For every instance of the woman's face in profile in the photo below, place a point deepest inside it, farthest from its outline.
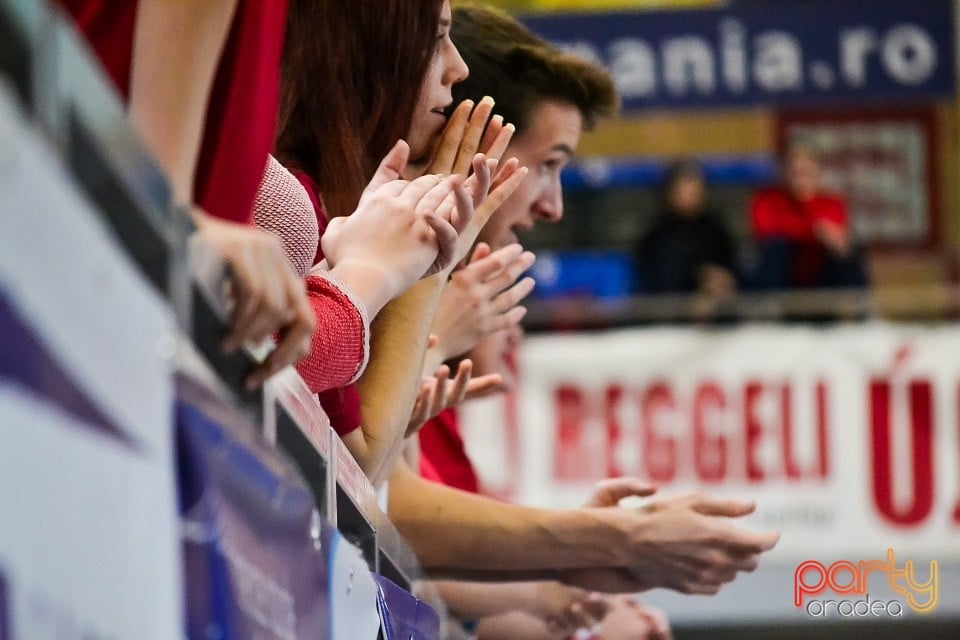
(436, 92)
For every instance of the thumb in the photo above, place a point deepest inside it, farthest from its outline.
(480, 251)
(391, 167)
(607, 493)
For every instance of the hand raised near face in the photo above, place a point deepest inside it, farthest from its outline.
(469, 131)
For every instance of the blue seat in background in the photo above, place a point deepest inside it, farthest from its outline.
(605, 275)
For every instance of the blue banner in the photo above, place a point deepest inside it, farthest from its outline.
(405, 617)
(782, 53)
(4, 610)
(254, 553)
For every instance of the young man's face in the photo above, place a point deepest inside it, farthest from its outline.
(545, 147)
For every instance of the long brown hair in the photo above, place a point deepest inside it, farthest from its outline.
(351, 76)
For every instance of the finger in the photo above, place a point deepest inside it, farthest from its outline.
(448, 209)
(446, 241)
(458, 387)
(276, 310)
(432, 341)
(422, 404)
(499, 145)
(481, 179)
(510, 298)
(611, 491)
(480, 251)
(493, 201)
(414, 191)
(295, 339)
(433, 198)
(438, 398)
(494, 127)
(504, 321)
(506, 169)
(391, 167)
(725, 508)
(464, 210)
(493, 264)
(249, 290)
(748, 542)
(519, 264)
(472, 135)
(508, 254)
(446, 151)
(484, 386)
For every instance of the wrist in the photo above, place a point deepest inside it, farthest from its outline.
(589, 537)
(373, 285)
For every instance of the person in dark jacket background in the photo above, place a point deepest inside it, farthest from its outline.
(687, 248)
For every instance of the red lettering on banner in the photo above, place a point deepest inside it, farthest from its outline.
(659, 451)
(709, 446)
(920, 406)
(614, 395)
(569, 455)
(791, 469)
(753, 429)
(823, 442)
(686, 435)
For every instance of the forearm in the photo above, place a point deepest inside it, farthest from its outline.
(473, 600)
(389, 385)
(455, 533)
(516, 624)
(177, 46)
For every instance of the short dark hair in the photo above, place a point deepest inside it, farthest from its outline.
(520, 70)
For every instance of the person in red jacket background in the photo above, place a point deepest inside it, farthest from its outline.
(803, 233)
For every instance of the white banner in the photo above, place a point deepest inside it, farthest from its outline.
(89, 540)
(848, 438)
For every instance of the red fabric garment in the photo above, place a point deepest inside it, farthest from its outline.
(341, 404)
(337, 350)
(428, 471)
(108, 27)
(777, 214)
(443, 453)
(241, 115)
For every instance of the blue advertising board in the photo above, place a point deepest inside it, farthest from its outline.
(783, 53)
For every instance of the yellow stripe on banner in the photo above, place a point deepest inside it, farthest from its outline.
(688, 133)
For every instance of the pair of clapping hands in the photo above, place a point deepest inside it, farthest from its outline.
(404, 227)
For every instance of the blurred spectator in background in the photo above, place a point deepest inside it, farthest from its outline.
(803, 234)
(686, 249)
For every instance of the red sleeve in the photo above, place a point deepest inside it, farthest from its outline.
(108, 27)
(765, 215)
(241, 112)
(340, 345)
(342, 406)
(341, 342)
(832, 209)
